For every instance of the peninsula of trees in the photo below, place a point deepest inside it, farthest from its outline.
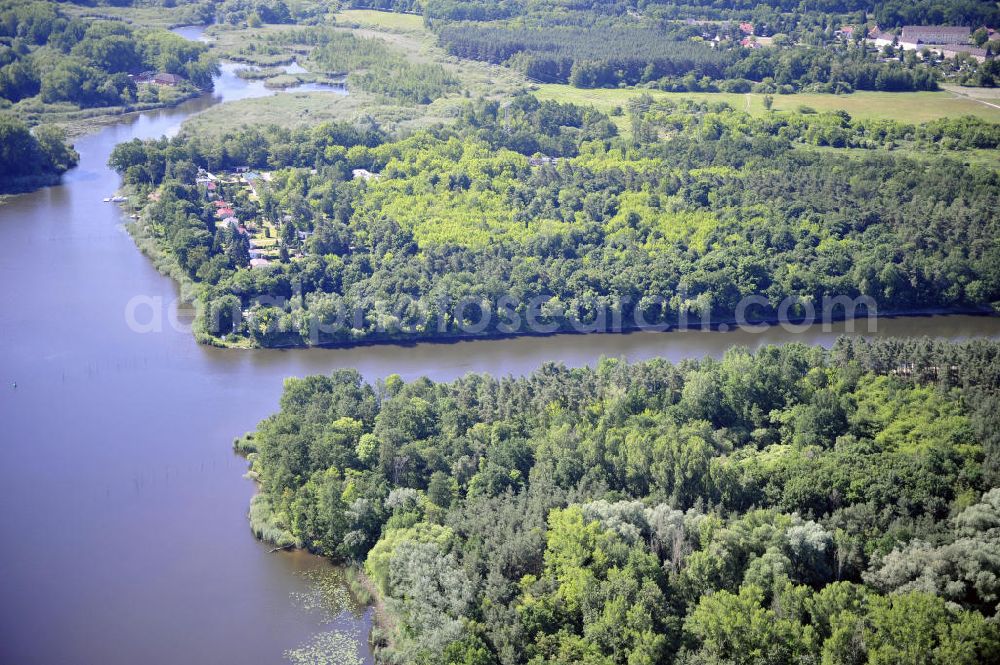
(793, 505)
(32, 158)
(357, 236)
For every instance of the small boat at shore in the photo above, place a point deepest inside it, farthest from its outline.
(107, 199)
(118, 199)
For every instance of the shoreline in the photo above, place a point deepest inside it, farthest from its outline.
(190, 290)
(363, 591)
(77, 128)
(29, 183)
(165, 263)
(84, 122)
(723, 326)
(367, 595)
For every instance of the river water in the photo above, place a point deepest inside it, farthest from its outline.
(123, 535)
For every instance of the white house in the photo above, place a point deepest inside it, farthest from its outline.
(364, 174)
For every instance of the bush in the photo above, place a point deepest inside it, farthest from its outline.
(266, 526)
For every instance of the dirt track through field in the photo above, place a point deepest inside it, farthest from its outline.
(975, 99)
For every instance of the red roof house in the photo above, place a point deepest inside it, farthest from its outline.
(164, 78)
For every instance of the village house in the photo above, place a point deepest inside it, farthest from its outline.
(259, 263)
(880, 38)
(978, 54)
(253, 181)
(543, 160)
(163, 78)
(364, 174)
(204, 178)
(746, 28)
(208, 186)
(947, 41)
(935, 34)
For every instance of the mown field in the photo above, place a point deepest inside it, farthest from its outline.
(296, 109)
(912, 107)
(382, 20)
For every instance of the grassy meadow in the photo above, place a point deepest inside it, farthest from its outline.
(389, 21)
(911, 107)
(296, 109)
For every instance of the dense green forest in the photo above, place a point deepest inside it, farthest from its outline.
(461, 233)
(792, 505)
(48, 57)
(610, 56)
(781, 13)
(29, 158)
(893, 13)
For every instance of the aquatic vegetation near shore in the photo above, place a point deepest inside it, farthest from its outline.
(327, 595)
(329, 648)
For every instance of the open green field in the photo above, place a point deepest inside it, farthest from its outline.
(912, 107)
(382, 20)
(297, 109)
(286, 109)
(985, 94)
